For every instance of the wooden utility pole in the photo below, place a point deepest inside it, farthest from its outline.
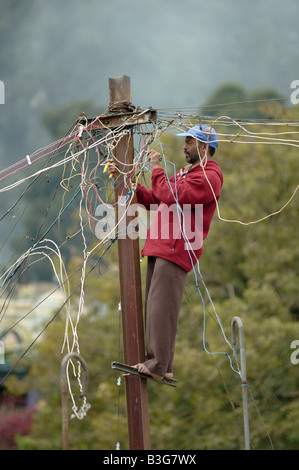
(121, 111)
(130, 282)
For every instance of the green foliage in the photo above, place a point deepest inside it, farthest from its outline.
(232, 99)
(55, 119)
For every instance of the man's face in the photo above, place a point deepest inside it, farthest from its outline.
(191, 149)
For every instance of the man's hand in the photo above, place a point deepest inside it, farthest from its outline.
(154, 158)
(111, 168)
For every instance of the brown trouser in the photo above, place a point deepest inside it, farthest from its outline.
(163, 299)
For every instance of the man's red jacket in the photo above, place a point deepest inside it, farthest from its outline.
(184, 206)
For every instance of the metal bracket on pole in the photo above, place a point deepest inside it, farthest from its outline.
(238, 321)
(124, 119)
(64, 393)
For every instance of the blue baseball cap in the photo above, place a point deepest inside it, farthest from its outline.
(204, 133)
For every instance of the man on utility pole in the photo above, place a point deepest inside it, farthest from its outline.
(194, 192)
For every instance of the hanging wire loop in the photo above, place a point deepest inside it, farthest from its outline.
(64, 393)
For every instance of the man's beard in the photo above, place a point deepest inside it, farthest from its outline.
(191, 158)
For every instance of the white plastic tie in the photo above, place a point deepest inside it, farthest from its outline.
(80, 131)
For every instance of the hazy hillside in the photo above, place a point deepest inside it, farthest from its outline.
(175, 52)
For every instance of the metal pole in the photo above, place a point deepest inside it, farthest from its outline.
(238, 321)
(130, 281)
(64, 393)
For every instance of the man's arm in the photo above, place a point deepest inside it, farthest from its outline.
(146, 197)
(195, 188)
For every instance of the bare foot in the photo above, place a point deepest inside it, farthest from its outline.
(144, 370)
(168, 375)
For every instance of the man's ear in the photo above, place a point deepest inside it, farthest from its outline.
(203, 149)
